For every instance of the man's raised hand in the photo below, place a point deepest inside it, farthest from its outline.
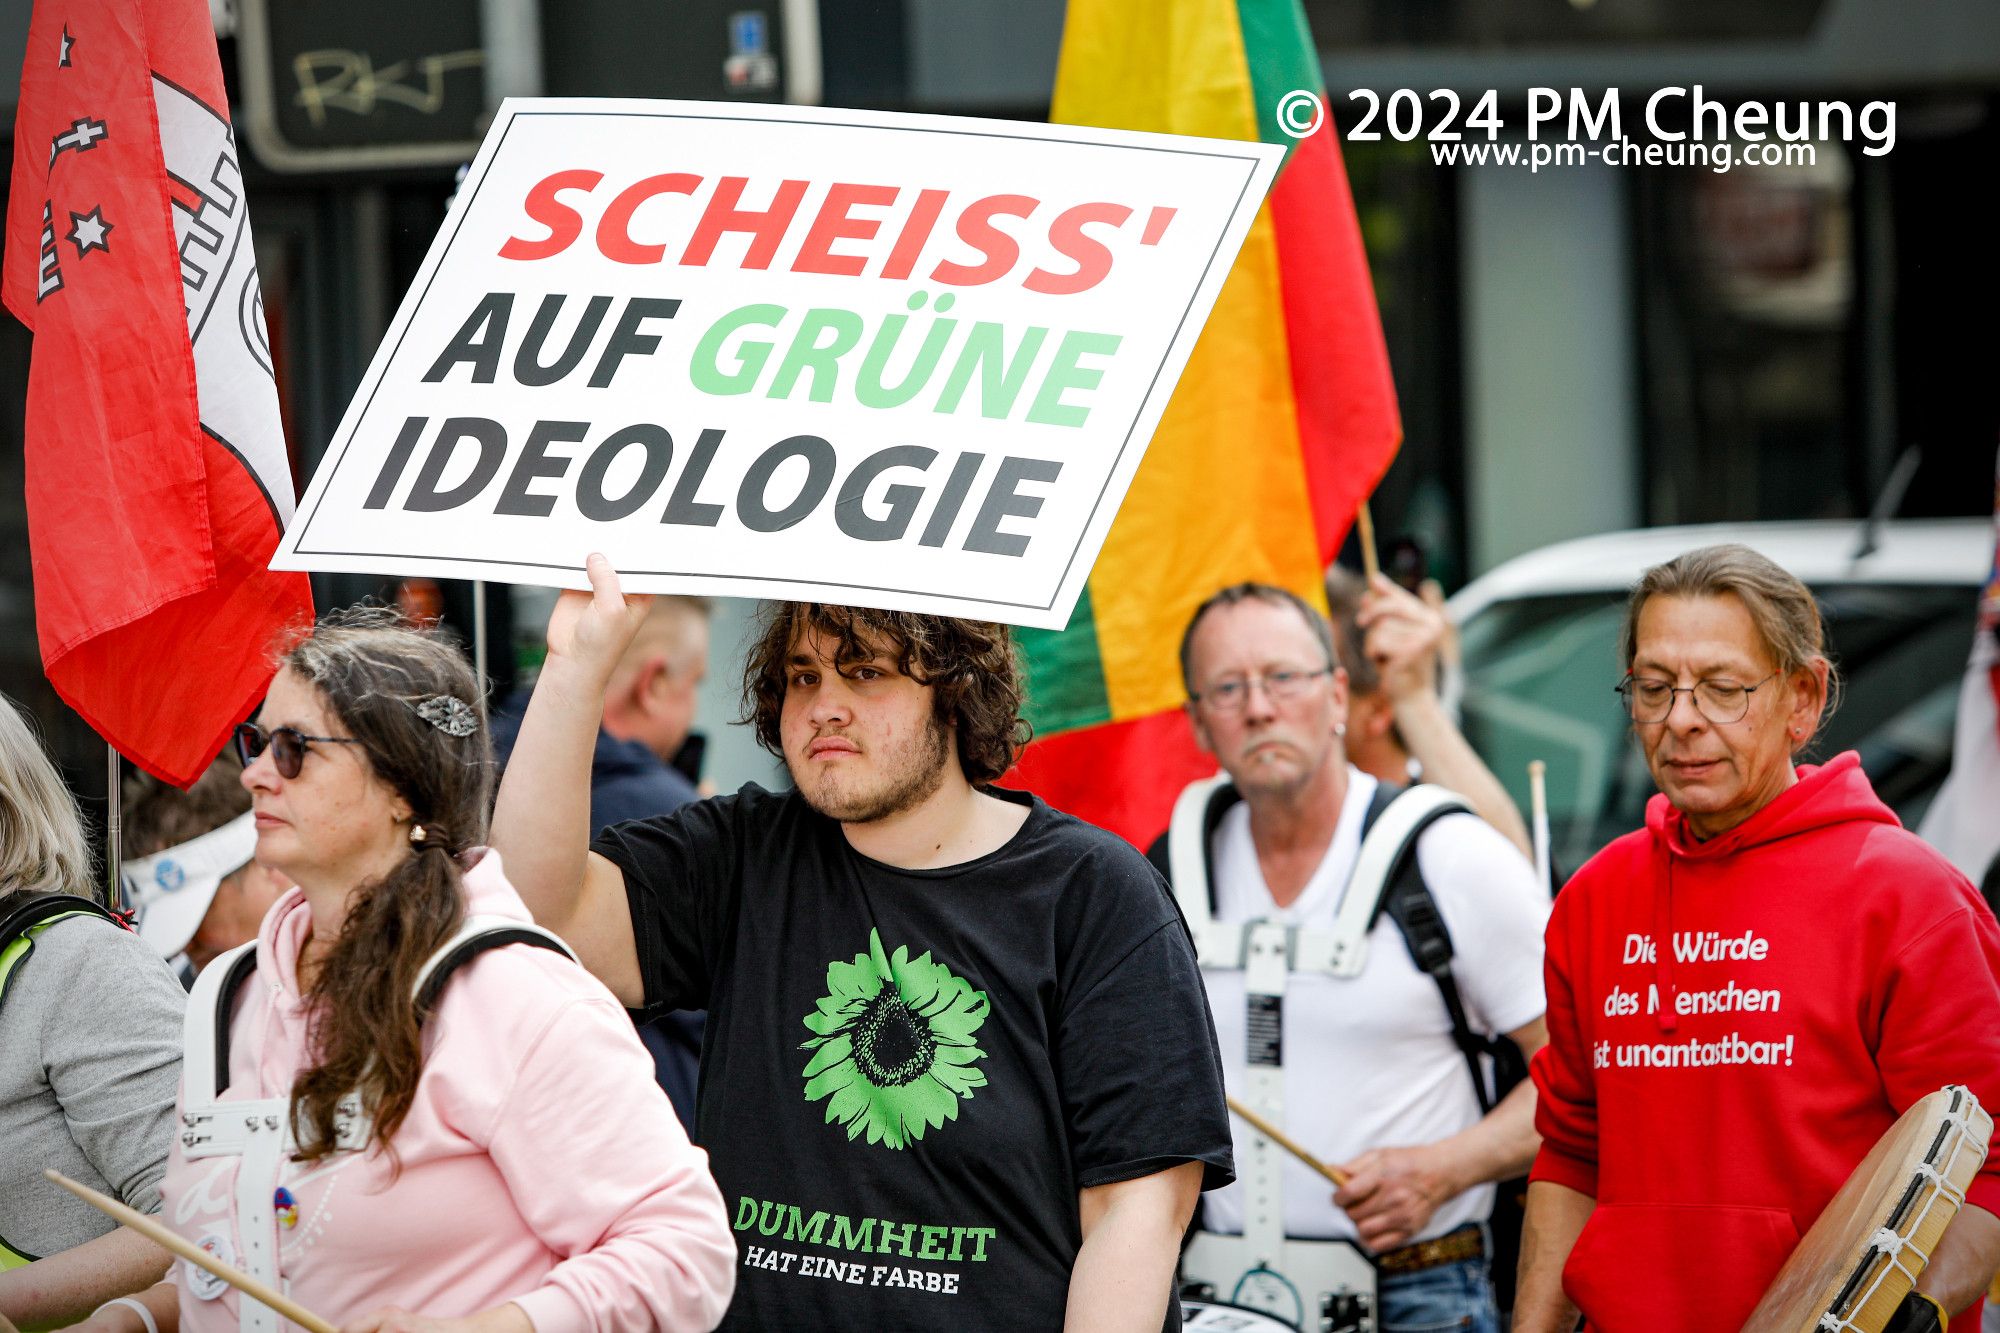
(590, 630)
(1402, 635)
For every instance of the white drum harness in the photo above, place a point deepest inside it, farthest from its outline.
(1323, 1285)
(260, 1131)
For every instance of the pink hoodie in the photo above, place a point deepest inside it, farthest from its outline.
(541, 1164)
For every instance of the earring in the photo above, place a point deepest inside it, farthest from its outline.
(1340, 730)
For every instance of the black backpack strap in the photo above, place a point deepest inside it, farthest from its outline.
(41, 907)
(462, 951)
(1407, 901)
(38, 910)
(1161, 853)
(475, 938)
(239, 970)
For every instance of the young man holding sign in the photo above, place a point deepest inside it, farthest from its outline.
(960, 1071)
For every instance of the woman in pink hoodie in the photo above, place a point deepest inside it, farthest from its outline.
(492, 1156)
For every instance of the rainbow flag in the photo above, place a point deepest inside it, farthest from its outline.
(1283, 422)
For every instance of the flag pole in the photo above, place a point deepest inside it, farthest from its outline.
(1364, 524)
(479, 632)
(1538, 805)
(113, 814)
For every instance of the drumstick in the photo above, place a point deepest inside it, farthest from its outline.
(6, 1327)
(195, 1255)
(1538, 803)
(1278, 1136)
(1364, 528)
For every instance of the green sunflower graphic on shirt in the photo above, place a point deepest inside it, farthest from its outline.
(893, 1050)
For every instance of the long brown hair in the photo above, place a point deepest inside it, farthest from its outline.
(970, 666)
(374, 673)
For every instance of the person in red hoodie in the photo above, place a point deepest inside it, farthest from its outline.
(1745, 994)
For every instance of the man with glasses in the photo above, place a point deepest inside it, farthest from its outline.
(1745, 994)
(1359, 1064)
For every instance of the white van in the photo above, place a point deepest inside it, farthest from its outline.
(1540, 636)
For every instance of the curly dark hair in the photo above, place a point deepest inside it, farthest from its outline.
(969, 665)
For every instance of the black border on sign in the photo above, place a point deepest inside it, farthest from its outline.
(299, 547)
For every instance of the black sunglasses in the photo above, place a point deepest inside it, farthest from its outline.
(288, 746)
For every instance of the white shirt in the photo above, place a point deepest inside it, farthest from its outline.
(1369, 1060)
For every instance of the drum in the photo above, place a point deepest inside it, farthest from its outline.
(1864, 1253)
(1219, 1317)
(1322, 1286)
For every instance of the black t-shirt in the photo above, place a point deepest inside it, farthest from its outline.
(909, 1074)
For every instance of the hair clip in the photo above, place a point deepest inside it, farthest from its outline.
(449, 714)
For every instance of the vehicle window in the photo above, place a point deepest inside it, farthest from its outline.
(1540, 672)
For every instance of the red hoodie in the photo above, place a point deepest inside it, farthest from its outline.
(1818, 970)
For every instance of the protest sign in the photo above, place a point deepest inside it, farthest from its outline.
(898, 361)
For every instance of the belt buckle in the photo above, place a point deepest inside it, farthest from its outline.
(1421, 1256)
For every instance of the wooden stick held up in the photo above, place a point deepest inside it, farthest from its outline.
(195, 1255)
(1364, 533)
(1279, 1137)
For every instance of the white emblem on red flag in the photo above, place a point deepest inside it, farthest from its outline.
(80, 137)
(89, 231)
(50, 279)
(225, 306)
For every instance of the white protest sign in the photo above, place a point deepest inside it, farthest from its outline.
(897, 361)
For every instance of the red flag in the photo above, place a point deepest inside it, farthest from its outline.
(158, 480)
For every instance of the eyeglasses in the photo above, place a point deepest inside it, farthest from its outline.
(1720, 701)
(288, 746)
(1229, 696)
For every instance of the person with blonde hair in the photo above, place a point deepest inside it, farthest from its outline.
(90, 1024)
(403, 1105)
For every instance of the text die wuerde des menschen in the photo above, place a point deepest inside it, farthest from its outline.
(1729, 998)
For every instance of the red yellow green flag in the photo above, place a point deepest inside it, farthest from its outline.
(1284, 420)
